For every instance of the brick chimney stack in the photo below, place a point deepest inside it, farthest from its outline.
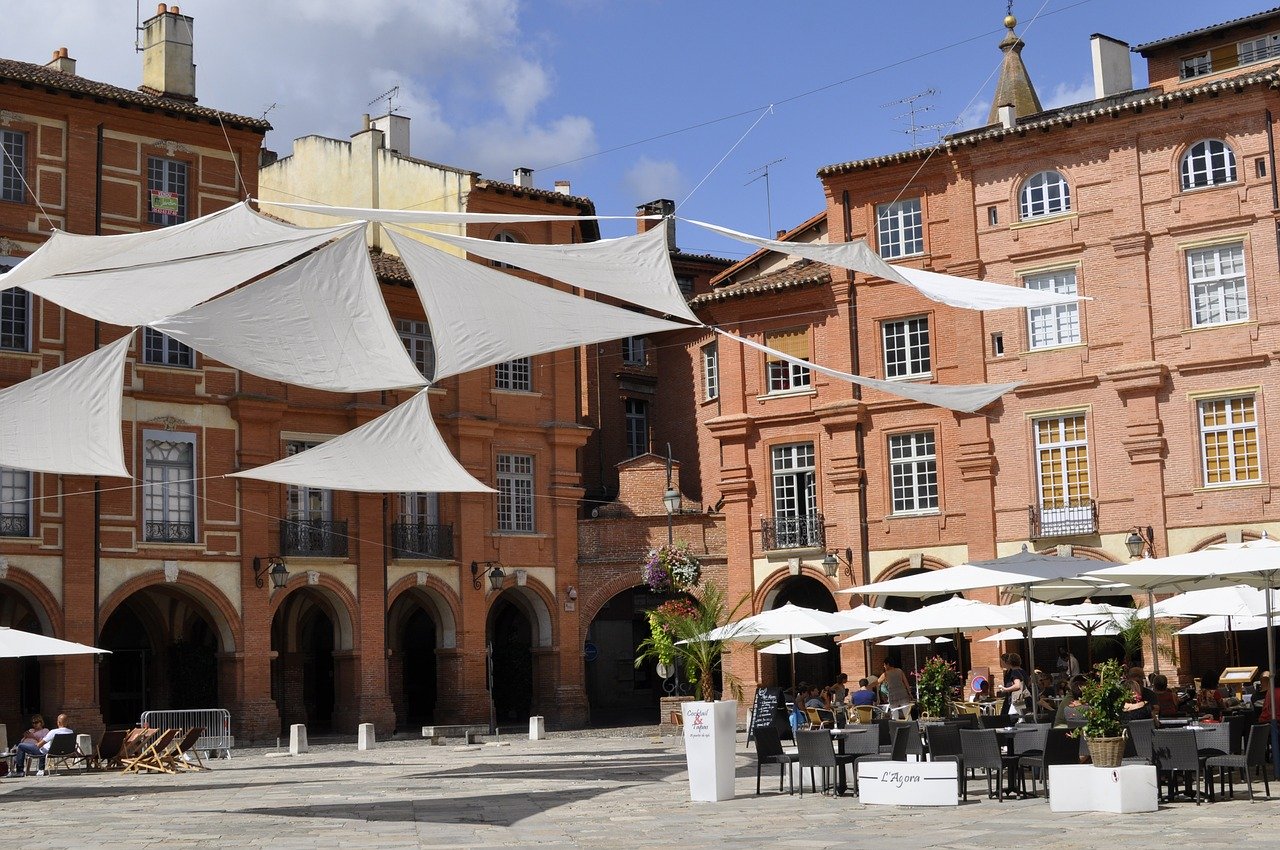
(62, 63)
(663, 207)
(168, 66)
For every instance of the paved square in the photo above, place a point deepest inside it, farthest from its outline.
(622, 789)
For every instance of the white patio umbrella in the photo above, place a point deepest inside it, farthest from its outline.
(918, 640)
(1238, 600)
(793, 645)
(1217, 625)
(15, 643)
(1049, 630)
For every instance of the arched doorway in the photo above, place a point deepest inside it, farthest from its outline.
(308, 630)
(819, 670)
(519, 625)
(420, 623)
(618, 691)
(22, 697)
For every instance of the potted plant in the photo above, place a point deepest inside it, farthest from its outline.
(671, 568)
(935, 683)
(678, 635)
(1103, 704)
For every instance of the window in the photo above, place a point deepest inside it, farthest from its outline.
(1229, 440)
(1208, 163)
(13, 165)
(899, 229)
(906, 348)
(515, 493)
(1046, 193)
(15, 502)
(307, 504)
(513, 375)
(1260, 167)
(997, 344)
(1219, 291)
(169, 487)
(913, 472)
(1196, 66)
(993, 216)
(416, 337)
(710, 372)
(786, 375)
(1258, 49)
(166, 190)
(795, 497)
(15, 319)
(1048, 327)
(420, 508)
(160, 349)
(685, 284)
(504, 236)
(637, 411)
(1062, 466)
(633, 351)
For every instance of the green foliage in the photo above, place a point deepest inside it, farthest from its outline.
(1135, 635)
(936, 682)
(1103, 702)
(676, 636)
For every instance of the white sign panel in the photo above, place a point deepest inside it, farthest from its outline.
(709, 734)
(908, 783)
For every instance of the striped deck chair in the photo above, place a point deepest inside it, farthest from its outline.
(153, 757)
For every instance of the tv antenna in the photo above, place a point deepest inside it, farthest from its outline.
(269, 110)
(914, 108)
(389, 96)
(763, 172)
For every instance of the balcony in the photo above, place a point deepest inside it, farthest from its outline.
(801, 532)
(319, 538)
(421, 540)
(1063, 518)
(15, 525)
(170, 532)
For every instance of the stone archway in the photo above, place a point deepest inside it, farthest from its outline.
(421, 627)
(909, 658)
(313, 669)
(23, 694)
(807, 592)
(617, 690)
(518, 631)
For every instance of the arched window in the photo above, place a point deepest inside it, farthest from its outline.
(505, 236)
(1208, 163)
(1046, 193)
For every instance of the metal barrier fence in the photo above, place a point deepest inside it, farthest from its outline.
(216, 722)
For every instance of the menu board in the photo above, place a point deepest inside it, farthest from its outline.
(770, 710)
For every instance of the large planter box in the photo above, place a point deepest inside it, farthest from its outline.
(710, 733)
(1086, 788)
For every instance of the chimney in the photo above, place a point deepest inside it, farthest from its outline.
(522, 177)
(662, 207)
(167, 65)
(395, 132)
(1008, 114)
(563, 187)
(62, 63)
(1112, 71)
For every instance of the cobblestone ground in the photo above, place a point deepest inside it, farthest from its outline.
(600, 790)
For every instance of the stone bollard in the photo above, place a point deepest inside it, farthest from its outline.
(537, 728)
(297, 739)
(4, 737)
(364, 737)
(84, 743)
(471, 736)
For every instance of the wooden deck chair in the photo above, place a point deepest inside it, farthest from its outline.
(135, 742)
(151, 757)
(108, 749)
(185, 754)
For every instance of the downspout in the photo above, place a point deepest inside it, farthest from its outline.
(859, 430)
(1275, 189)
(97, 482)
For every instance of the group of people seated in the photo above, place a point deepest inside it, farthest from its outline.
(35, 743)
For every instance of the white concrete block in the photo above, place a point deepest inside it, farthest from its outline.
(1085, 788)
(364, 737)
(537, 728)
(297, 739)
(84, 743)
(908, 783)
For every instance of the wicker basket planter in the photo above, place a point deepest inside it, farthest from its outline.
(1106, 752)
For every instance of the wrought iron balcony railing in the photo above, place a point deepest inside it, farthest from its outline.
(170, 532)
(321, 538)
(421, 540)
(801, 532)
(15, 525)
(1063, 518)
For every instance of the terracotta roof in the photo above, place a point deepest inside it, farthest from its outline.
(586, 203)
(811, 221)
(1068, 115)
(685, 257)
(389, 267)
(802, 274)
(1190, 34)
(39, 75)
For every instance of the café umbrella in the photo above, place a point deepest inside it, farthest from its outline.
(793, 645)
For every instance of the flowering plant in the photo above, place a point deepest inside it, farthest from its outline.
(935, 682)
(678, 633)
(661, 630)
(669, 568)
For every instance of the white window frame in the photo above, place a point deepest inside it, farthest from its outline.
(16, 300)
(416, 337)
(13, 166)
(1207, 163)
(1258, 49)
(165, 174)
(1058, 451)
(710, 372)
(1057, 325)
(167, 499)
(511, 239)
(172, 353)
(635, 351)
(1236, 424)
(636, 415)
(911, 336)
(900, 229)
(514, 375)
(515, 480)
(1044, 194)
(913, 473)
(1217, 285)
(793, 467)
(15, 498)
(419, 508)
(306, 504)
(1200, 65)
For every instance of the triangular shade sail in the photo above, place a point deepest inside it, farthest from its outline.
(440, 216)
(67, 420)
(635, 269)
(399, 452)
(965, 398)
(137, 278)
(19, 644)
(480, 317)
(320, 322)
(944, 288)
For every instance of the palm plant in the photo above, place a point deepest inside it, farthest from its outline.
(1135, 633)
(681, 640)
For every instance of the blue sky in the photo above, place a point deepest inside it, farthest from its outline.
(569, 87)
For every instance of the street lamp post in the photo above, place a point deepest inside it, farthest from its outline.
(670, 499)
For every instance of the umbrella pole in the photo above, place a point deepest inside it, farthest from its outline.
(1151, 620)
(1031, 653)
(791, 643)
(1271, 666)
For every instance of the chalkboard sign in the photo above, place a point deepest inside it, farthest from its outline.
(770, 710)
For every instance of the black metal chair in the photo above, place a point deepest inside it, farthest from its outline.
(1059, 748)
(864, 746)
(1174, 752)
(1254, 755)
(994, 721)
(1239, 725)
(1029, 738)
(769, 751)
(1140, 737)
(817, 751)
(944, 745)
(889, 733)
(62, 749)
(981, 751)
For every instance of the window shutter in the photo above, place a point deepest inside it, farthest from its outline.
(793, 343)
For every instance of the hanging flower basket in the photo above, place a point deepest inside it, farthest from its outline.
(669, 569)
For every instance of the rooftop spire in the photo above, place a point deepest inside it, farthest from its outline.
(1014, 86)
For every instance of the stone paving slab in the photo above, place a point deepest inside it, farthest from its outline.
(608, 792)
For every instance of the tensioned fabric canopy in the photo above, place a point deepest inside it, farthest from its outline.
(442, 217)
(15, 643)
(67, 420)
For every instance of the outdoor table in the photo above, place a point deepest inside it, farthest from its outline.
(1006, 737)
(839, 736)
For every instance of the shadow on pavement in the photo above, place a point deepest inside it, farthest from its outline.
(653, 767)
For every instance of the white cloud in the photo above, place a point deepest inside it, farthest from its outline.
(649, 179)
(494, 149)
(974, 115)
(1065, 94)
(521, 88)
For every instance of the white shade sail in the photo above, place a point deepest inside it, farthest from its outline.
(440, 216)
(635, 269)
(480, 317)
(15, 643)
(67, 420)
(320, 322)
(965, 398)
(858, 256)
(399, 452)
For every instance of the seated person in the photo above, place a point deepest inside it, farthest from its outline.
(1048, 693)
(981, 691)
(839, 692)
(864, 695)
(27, 748)
(1166, 700)
(1135, 707)
(1209, 701)
(811, 697)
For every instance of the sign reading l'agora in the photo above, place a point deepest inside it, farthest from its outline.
(164, 203)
